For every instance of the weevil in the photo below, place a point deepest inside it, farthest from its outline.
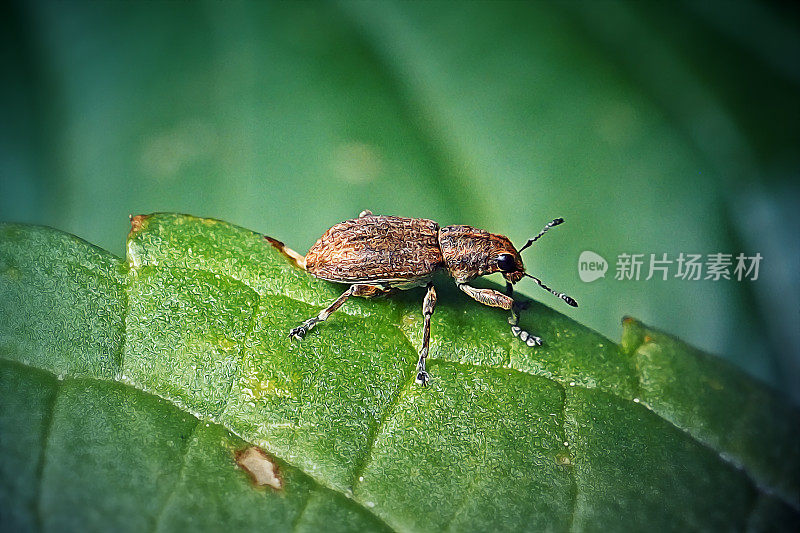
(377, 255)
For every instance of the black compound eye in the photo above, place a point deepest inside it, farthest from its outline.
(506, 263)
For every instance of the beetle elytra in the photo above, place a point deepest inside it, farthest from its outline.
(376, 255)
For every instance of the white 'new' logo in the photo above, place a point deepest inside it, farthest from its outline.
(591, 266)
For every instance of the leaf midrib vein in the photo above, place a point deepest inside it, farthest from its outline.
(45, 446)
(178, 479)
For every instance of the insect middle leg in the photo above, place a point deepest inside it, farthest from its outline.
(428, 305)
(494, 298)
(355, 290)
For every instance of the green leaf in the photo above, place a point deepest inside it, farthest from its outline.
(128, 387)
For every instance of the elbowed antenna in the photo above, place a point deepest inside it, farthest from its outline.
(571, 301)
(555, 222)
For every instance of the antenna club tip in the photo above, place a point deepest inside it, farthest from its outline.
(558, 221)
(571, 301)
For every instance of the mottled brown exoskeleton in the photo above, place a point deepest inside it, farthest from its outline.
(377, 254)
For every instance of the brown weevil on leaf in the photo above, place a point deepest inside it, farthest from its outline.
(376, 255)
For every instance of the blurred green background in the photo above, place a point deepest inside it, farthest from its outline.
(650, 127)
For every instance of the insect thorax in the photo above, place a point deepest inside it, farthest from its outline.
(470, 252)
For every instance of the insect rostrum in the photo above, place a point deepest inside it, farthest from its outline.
(379, 254)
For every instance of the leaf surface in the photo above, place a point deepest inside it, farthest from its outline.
(129, 386)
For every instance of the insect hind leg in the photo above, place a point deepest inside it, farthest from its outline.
(300, 331)
(366, 291)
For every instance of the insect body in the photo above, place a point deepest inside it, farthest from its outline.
(378, 254)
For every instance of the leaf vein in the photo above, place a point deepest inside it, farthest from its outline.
(572, 474)
(243, 355)
(391, 406)
(48, 428)
(302, 510)
(178, 479)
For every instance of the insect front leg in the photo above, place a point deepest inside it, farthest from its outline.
(428, 305)
(494, 298)
(519, 305)
(516, 307)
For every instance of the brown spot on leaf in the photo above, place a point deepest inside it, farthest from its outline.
(260, 466)
(648, 338)
(274, 242)
(137, 221)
